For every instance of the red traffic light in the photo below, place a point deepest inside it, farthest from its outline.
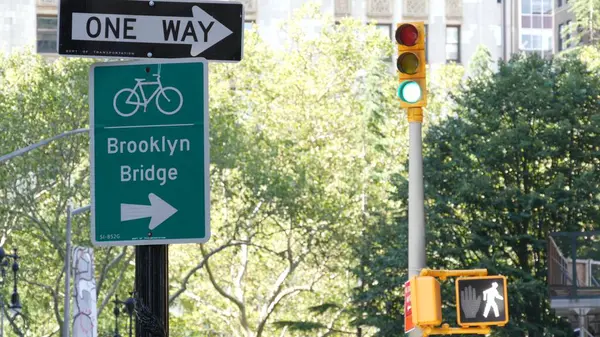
(407, 35)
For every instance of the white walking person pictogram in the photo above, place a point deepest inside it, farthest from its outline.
(490, 296)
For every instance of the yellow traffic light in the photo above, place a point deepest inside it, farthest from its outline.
(411, 64)
(426, 301)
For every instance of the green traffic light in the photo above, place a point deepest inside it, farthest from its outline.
(409, 91)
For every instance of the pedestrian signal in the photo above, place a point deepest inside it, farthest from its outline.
(426, 301)
(411, 63)
(481, 301)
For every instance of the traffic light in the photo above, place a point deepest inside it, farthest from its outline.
(426, 301)
(411, 63)
(481, 301)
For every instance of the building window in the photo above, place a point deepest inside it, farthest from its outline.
(525, 6)
(559, 3)
(531, 42)
(453, 44)
(547, 45)
(564, 35)
(561, 30)
(248, 24)
(47, 27)
(386, 29)
(536, 26)
(537, 6)
(567, 34)
(547, 7)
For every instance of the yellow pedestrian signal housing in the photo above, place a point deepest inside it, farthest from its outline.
(426, 301)
(411, 64)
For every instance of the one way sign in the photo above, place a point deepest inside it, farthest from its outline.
(151, 29)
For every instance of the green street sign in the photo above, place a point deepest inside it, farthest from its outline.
(149, 152)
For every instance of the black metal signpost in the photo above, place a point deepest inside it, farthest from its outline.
(143, 29)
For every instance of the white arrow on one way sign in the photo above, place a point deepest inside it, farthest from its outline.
(201, 31)
(159, 211)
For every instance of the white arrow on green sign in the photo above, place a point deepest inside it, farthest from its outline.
(149, 152)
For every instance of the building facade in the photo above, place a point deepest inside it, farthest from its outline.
(17, 24)
(536, 26)
(562, 24)
(455, 28)
(47, 27)
(565, 27)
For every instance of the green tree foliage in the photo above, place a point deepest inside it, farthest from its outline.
(586, 54)
(301, 141)
(517, 162)
(39, 100)
(481, 64)
(443, 84)
(587, 13)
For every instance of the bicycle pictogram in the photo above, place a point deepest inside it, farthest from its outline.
(165, 95)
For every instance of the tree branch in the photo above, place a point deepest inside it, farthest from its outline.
(285, 293)
(278, 294)
(42, 227)
(241, 272)
(330, 329)
(273, 304)
(54, 295)
(222, 313)
(52, 333)
(107, 267)
(199, 266)
(114, 285)
(269, 250)
(241, 306)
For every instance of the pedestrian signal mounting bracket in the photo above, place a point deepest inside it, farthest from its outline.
(444, 274)
(445, 329)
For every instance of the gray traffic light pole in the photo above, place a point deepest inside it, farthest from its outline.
(416, 208)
